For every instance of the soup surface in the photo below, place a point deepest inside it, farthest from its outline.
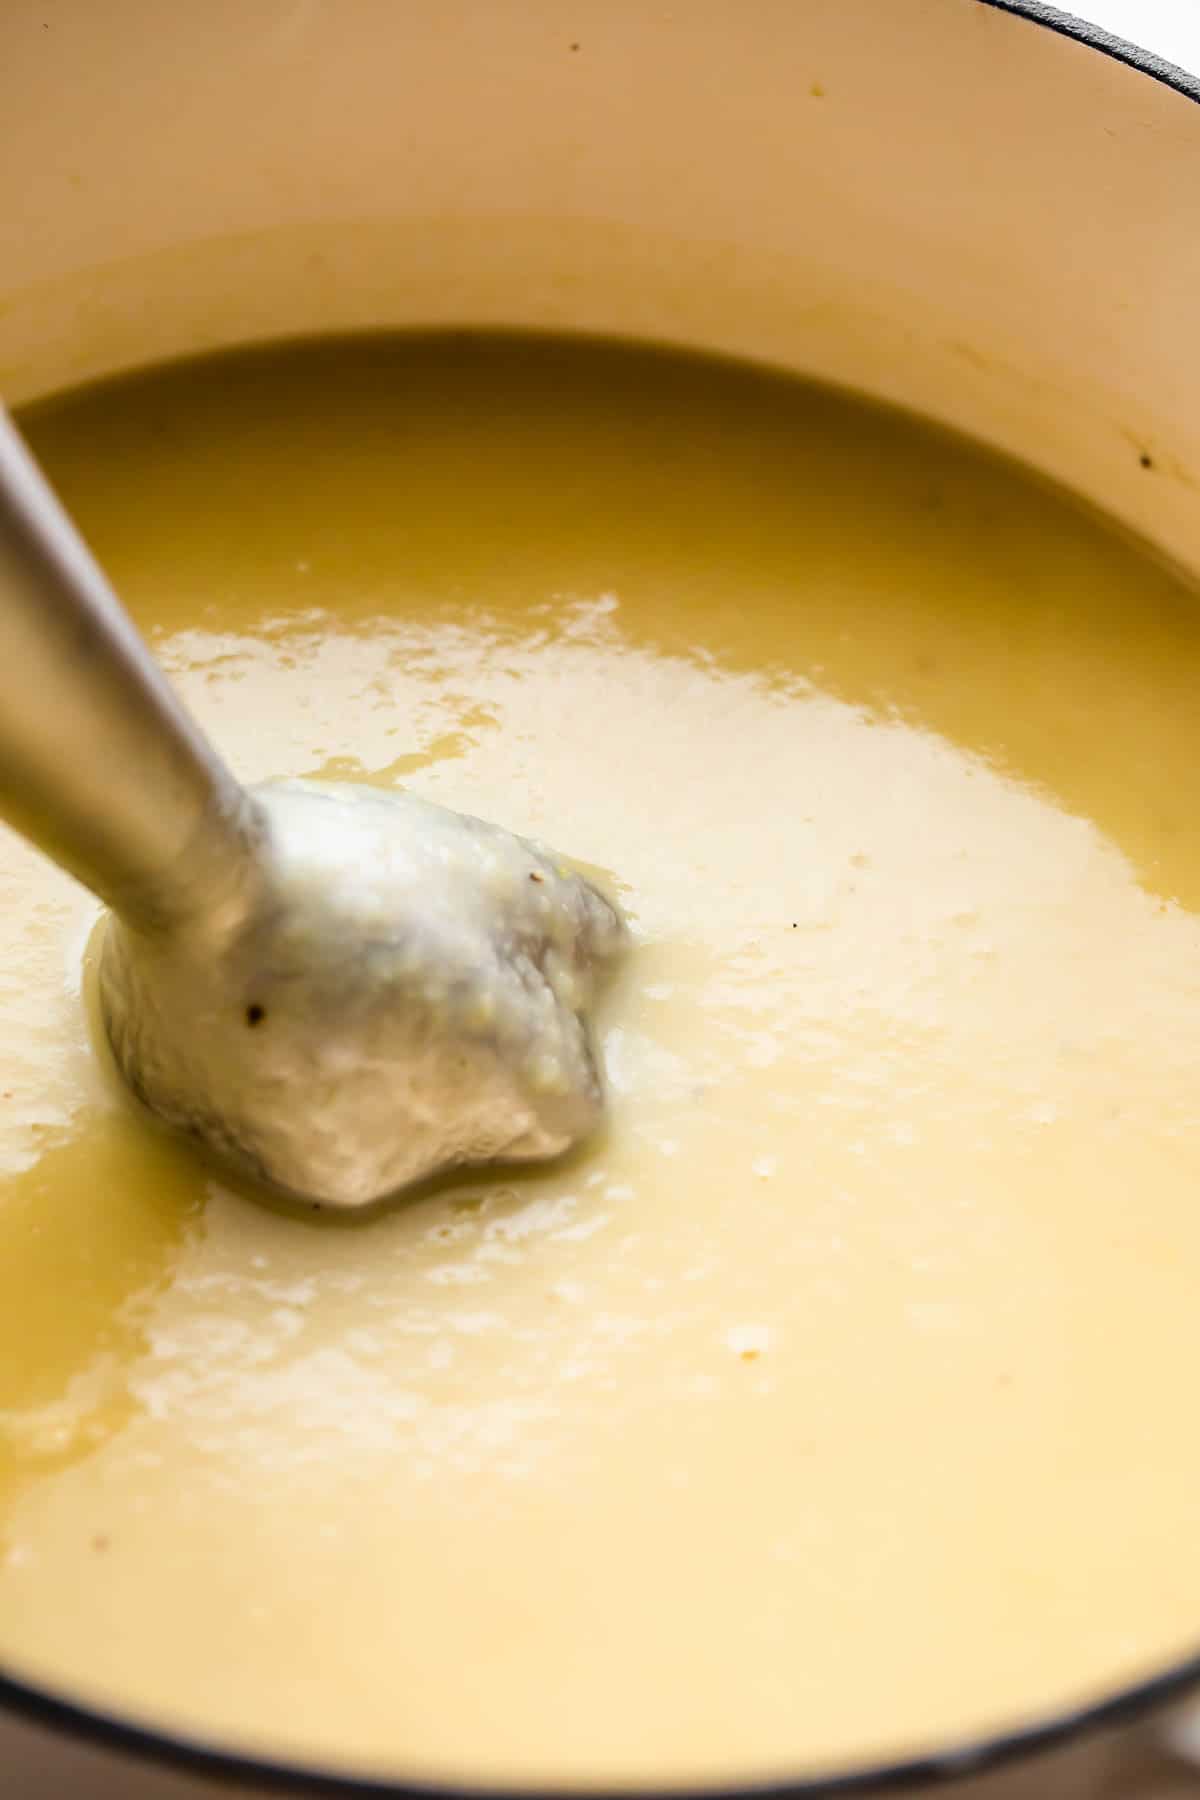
(840, 1399)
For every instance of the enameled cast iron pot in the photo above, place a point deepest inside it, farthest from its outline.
(979, 209)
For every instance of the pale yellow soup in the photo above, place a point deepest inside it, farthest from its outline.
(840, 1400)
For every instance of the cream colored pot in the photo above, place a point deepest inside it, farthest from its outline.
(966, 207)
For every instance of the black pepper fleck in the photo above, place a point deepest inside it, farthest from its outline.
(1146, 460)
(255, 1014)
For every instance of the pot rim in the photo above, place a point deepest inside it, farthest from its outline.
(41, 1706)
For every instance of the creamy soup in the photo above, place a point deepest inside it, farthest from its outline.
(839, 1400)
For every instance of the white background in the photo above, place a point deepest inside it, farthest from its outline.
(1169, 27)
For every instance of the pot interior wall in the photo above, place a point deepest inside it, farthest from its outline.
(935, 201)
